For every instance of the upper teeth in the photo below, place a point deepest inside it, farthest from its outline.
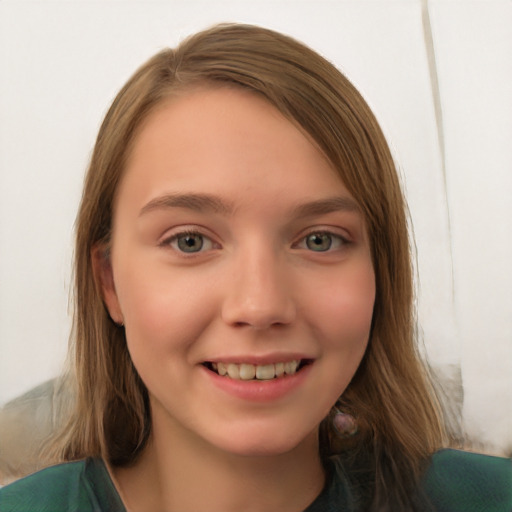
(247, 371)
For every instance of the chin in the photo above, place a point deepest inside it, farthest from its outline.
(266, 442)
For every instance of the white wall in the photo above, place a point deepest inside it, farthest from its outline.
(437, 74)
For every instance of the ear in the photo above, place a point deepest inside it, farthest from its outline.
(104, 277)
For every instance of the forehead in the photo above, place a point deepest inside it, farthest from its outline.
(225, 138)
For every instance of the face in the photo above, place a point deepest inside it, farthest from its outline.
(241, 269)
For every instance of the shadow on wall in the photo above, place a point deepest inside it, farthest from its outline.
(27, 422)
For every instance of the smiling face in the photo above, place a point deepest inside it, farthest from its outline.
(241, 269)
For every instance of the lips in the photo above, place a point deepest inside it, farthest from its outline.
(249, 371)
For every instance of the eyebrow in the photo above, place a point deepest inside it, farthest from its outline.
(196, 202)
(324, 206)
(209, 203)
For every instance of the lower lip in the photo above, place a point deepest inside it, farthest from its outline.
(259, 390)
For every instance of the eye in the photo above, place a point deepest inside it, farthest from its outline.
(189, 242)
(319, 241)
(322, 241)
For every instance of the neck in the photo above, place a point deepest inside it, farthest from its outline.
(176, 474)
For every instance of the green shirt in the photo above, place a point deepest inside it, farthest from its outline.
(455, 481)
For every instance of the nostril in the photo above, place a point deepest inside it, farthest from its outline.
(258, 307)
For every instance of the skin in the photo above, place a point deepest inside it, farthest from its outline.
(257, 291)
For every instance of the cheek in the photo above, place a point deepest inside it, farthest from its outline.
(346, 307)
(162, 310)
(348, 314)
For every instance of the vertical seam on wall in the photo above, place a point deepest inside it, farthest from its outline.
(452, 406)
(438, 113)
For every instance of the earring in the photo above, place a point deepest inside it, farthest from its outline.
(344, 424)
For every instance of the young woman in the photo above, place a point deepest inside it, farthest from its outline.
(243, 334)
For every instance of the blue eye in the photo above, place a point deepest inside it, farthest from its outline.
(322, 241)
(189, 242)
(319, 242)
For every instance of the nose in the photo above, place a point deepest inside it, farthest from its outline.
(260, 292)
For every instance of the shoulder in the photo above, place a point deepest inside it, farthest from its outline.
(83, 485)
(52, 488)
(458, 480)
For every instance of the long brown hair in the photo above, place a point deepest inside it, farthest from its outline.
(390, 395)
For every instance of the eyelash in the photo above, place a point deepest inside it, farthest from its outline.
(173, 241)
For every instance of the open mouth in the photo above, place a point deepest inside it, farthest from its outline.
(247, 371)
